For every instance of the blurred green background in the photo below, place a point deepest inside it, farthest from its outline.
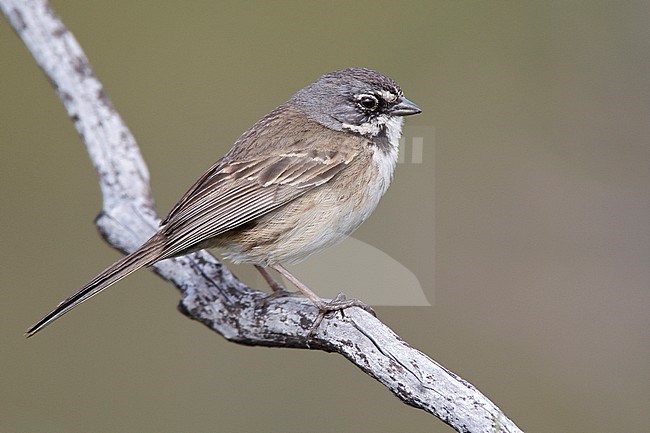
(538, 272)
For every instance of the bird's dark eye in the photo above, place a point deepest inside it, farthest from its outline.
(368, 102)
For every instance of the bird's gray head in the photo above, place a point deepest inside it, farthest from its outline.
(357, 100)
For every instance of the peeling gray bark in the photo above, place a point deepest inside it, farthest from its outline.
(210, 292)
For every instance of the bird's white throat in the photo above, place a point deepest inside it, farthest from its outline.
(386, 159)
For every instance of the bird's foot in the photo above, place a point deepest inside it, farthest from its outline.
(278, 289)
(339, 303)
(278, 292)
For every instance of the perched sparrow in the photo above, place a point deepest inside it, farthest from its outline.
(299, 180)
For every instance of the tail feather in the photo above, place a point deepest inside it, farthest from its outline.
(146, 255)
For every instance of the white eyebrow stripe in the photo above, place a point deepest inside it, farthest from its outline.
(388, 96)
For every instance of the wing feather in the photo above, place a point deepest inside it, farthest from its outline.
(233, 193)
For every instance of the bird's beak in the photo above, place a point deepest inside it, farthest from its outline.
(405, 108)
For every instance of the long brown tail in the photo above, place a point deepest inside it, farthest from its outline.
(147, 254)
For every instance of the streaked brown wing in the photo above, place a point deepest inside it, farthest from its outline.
(232, 193)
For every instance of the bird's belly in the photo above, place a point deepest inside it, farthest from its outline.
(319, 219)
(319, 229)
(288, 237)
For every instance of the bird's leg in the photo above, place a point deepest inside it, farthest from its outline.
(336, 304)
(278, 289)
(272, 282)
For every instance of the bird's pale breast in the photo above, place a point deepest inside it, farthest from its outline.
(318, 219)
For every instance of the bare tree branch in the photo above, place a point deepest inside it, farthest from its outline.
(210, 293)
